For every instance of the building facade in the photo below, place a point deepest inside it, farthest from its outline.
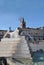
(36, 33)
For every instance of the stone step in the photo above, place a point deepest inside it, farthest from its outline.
(14, 47)
(8, 48)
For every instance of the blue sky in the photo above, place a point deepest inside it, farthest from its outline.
(12, 10)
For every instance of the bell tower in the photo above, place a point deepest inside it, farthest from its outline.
(23, 23)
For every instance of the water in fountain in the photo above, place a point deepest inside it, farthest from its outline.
(25, 33)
